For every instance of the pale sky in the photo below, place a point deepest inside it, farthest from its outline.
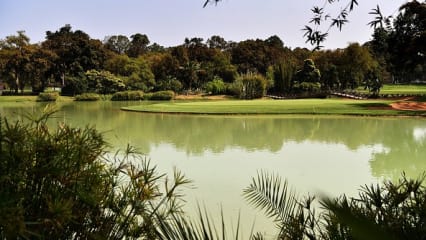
(168, 22)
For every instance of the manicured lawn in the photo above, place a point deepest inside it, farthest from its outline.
(301, 106)
(400, 89)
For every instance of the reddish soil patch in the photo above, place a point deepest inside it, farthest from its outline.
(409, 106)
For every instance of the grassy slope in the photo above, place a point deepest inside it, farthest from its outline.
(301, 106)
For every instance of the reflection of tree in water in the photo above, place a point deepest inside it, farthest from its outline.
(406, 153)
(197, 134)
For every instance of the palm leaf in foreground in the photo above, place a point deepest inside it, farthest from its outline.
(179, 227)
(271, 194)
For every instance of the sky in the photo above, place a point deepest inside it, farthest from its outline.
(169, 22)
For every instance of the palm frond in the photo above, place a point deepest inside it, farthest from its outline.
(269, 193)
(179, 227)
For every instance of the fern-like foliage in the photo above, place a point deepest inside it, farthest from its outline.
(269, 193)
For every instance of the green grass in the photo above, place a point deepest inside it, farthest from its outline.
(300, 106)
(400, 89)
(29, 99)
(18, 98)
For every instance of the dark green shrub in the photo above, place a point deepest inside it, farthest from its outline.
(310, 87)
(87, 97)
(128, 96)
(161, 96)
(47, 97)
(74, 85)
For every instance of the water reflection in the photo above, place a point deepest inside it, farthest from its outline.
(403, 139)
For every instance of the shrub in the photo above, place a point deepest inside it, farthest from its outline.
(47, 97)
(74, 85)
(249, 86)
(161, 95)
(387, 211)
(216, 87)
(310, 87)
(128, 96)
(87, 97)
(58, 184)
(170, 83)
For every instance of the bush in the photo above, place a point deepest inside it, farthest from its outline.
(311, 87)
(74, 85)
(250, 86)
(87, 97)
(47, 97)
(128, 96)
(58, 184)
(216, 87)
(387, 211)
(169, 83)
(161, 95)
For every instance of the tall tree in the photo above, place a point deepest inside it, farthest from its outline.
(15, 58)
(400, 44)
(138, 45)
(218, 42)
(76, 51)
(118, 43)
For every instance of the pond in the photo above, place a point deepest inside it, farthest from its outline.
(316, 154)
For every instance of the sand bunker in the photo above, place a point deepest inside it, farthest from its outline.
(409, 106)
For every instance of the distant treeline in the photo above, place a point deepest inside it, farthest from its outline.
(72, 60)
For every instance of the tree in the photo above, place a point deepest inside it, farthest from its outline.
(138, 45)
(15, 58)
(118, 43)
(76, 51)
(357, 64)
(41, 65)
(309, 73)
(165, 68)
(217, 42)
(136, 73)
(407, 40)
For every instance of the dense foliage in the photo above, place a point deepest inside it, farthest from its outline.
(87, 97)
(393, 210)
(62, 183)
(78, 64)
(128, 96)
(47, 97)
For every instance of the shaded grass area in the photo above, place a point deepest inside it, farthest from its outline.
(299, 106)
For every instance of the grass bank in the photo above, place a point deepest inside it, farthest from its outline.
(299, 106)
(5, 99)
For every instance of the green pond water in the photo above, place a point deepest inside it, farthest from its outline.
(316, 154)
